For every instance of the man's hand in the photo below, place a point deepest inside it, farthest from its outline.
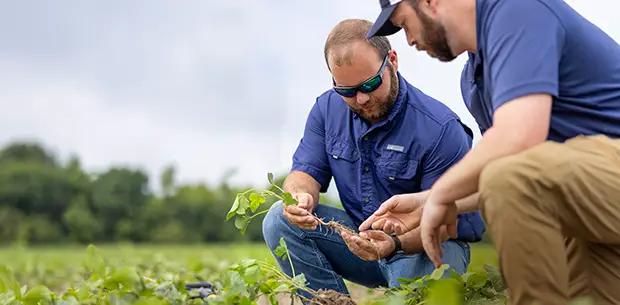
(301, 214)
(437, 219)
(371, 246)
(399, 214)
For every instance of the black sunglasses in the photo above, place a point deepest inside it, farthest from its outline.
(366, 86)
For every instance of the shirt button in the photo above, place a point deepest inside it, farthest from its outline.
(366, 168)
(366, 138)
(366, 199)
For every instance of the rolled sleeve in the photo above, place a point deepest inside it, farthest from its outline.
(310, 156)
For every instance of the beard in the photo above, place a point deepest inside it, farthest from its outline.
(434, 38)
(381, 109)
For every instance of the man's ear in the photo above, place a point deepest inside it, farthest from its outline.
(393, 58)
(428, 7)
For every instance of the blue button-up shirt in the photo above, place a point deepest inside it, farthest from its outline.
(404, 153)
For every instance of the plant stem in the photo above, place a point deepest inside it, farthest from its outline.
(259, 213)
(279, 188)
(284, 277)
(288, 255)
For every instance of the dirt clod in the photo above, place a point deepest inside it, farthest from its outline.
(330, 297)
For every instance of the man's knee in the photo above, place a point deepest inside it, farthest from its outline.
(457, 255)
(273, 224)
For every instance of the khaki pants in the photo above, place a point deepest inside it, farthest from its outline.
(553, 212)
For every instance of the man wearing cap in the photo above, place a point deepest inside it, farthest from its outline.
(377, 136)
(544, 86)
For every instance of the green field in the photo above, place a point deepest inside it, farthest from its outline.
(65, 268)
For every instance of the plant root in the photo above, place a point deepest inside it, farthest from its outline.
(339, 228)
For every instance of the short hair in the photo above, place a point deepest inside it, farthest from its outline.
(349, 31)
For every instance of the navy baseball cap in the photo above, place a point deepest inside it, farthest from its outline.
(383, 26)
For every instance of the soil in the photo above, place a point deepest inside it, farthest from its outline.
(330, 297)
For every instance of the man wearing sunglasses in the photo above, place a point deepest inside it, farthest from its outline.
(544, 85)
(377, 136)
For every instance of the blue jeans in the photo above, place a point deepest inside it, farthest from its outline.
(325, 260)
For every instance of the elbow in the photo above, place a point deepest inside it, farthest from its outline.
(514, 141)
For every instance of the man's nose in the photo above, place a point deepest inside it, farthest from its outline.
(362, 98)
(410, 39)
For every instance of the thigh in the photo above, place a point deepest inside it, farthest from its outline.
(338, 255)
(579, 181)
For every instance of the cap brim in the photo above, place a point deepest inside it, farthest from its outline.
(383, 26)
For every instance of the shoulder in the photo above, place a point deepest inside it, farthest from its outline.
(431, 120)
(513, 12)
(426, 108)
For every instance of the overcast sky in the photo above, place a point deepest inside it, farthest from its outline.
(204, 85)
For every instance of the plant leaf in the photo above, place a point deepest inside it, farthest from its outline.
(495, 277)
(476, 280)
(445, 292)
(270, 178)
(288, 199)
(244, 204)
(439, 272)
(234, 208)
(38, 295)
(256, 200)
(241, 223)
(300, 280)
(281, 250)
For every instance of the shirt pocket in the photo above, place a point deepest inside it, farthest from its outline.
(397, 170)
(343, 160)
(339, 150)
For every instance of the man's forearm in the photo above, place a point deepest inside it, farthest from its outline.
(300, 182)
(411, 241)
(461, 180)
(467, 204)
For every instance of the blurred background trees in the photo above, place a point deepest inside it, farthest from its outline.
(45, 201)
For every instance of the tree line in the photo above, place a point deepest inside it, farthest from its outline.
(43, 200)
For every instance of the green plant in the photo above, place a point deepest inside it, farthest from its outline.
(247, 204)
(446, 287)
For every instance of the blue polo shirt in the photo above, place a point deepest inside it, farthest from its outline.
(534, 46)
(404, 153)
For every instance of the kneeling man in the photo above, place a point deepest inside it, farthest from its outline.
(377, 136)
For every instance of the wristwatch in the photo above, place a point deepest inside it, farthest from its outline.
(398, 246)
